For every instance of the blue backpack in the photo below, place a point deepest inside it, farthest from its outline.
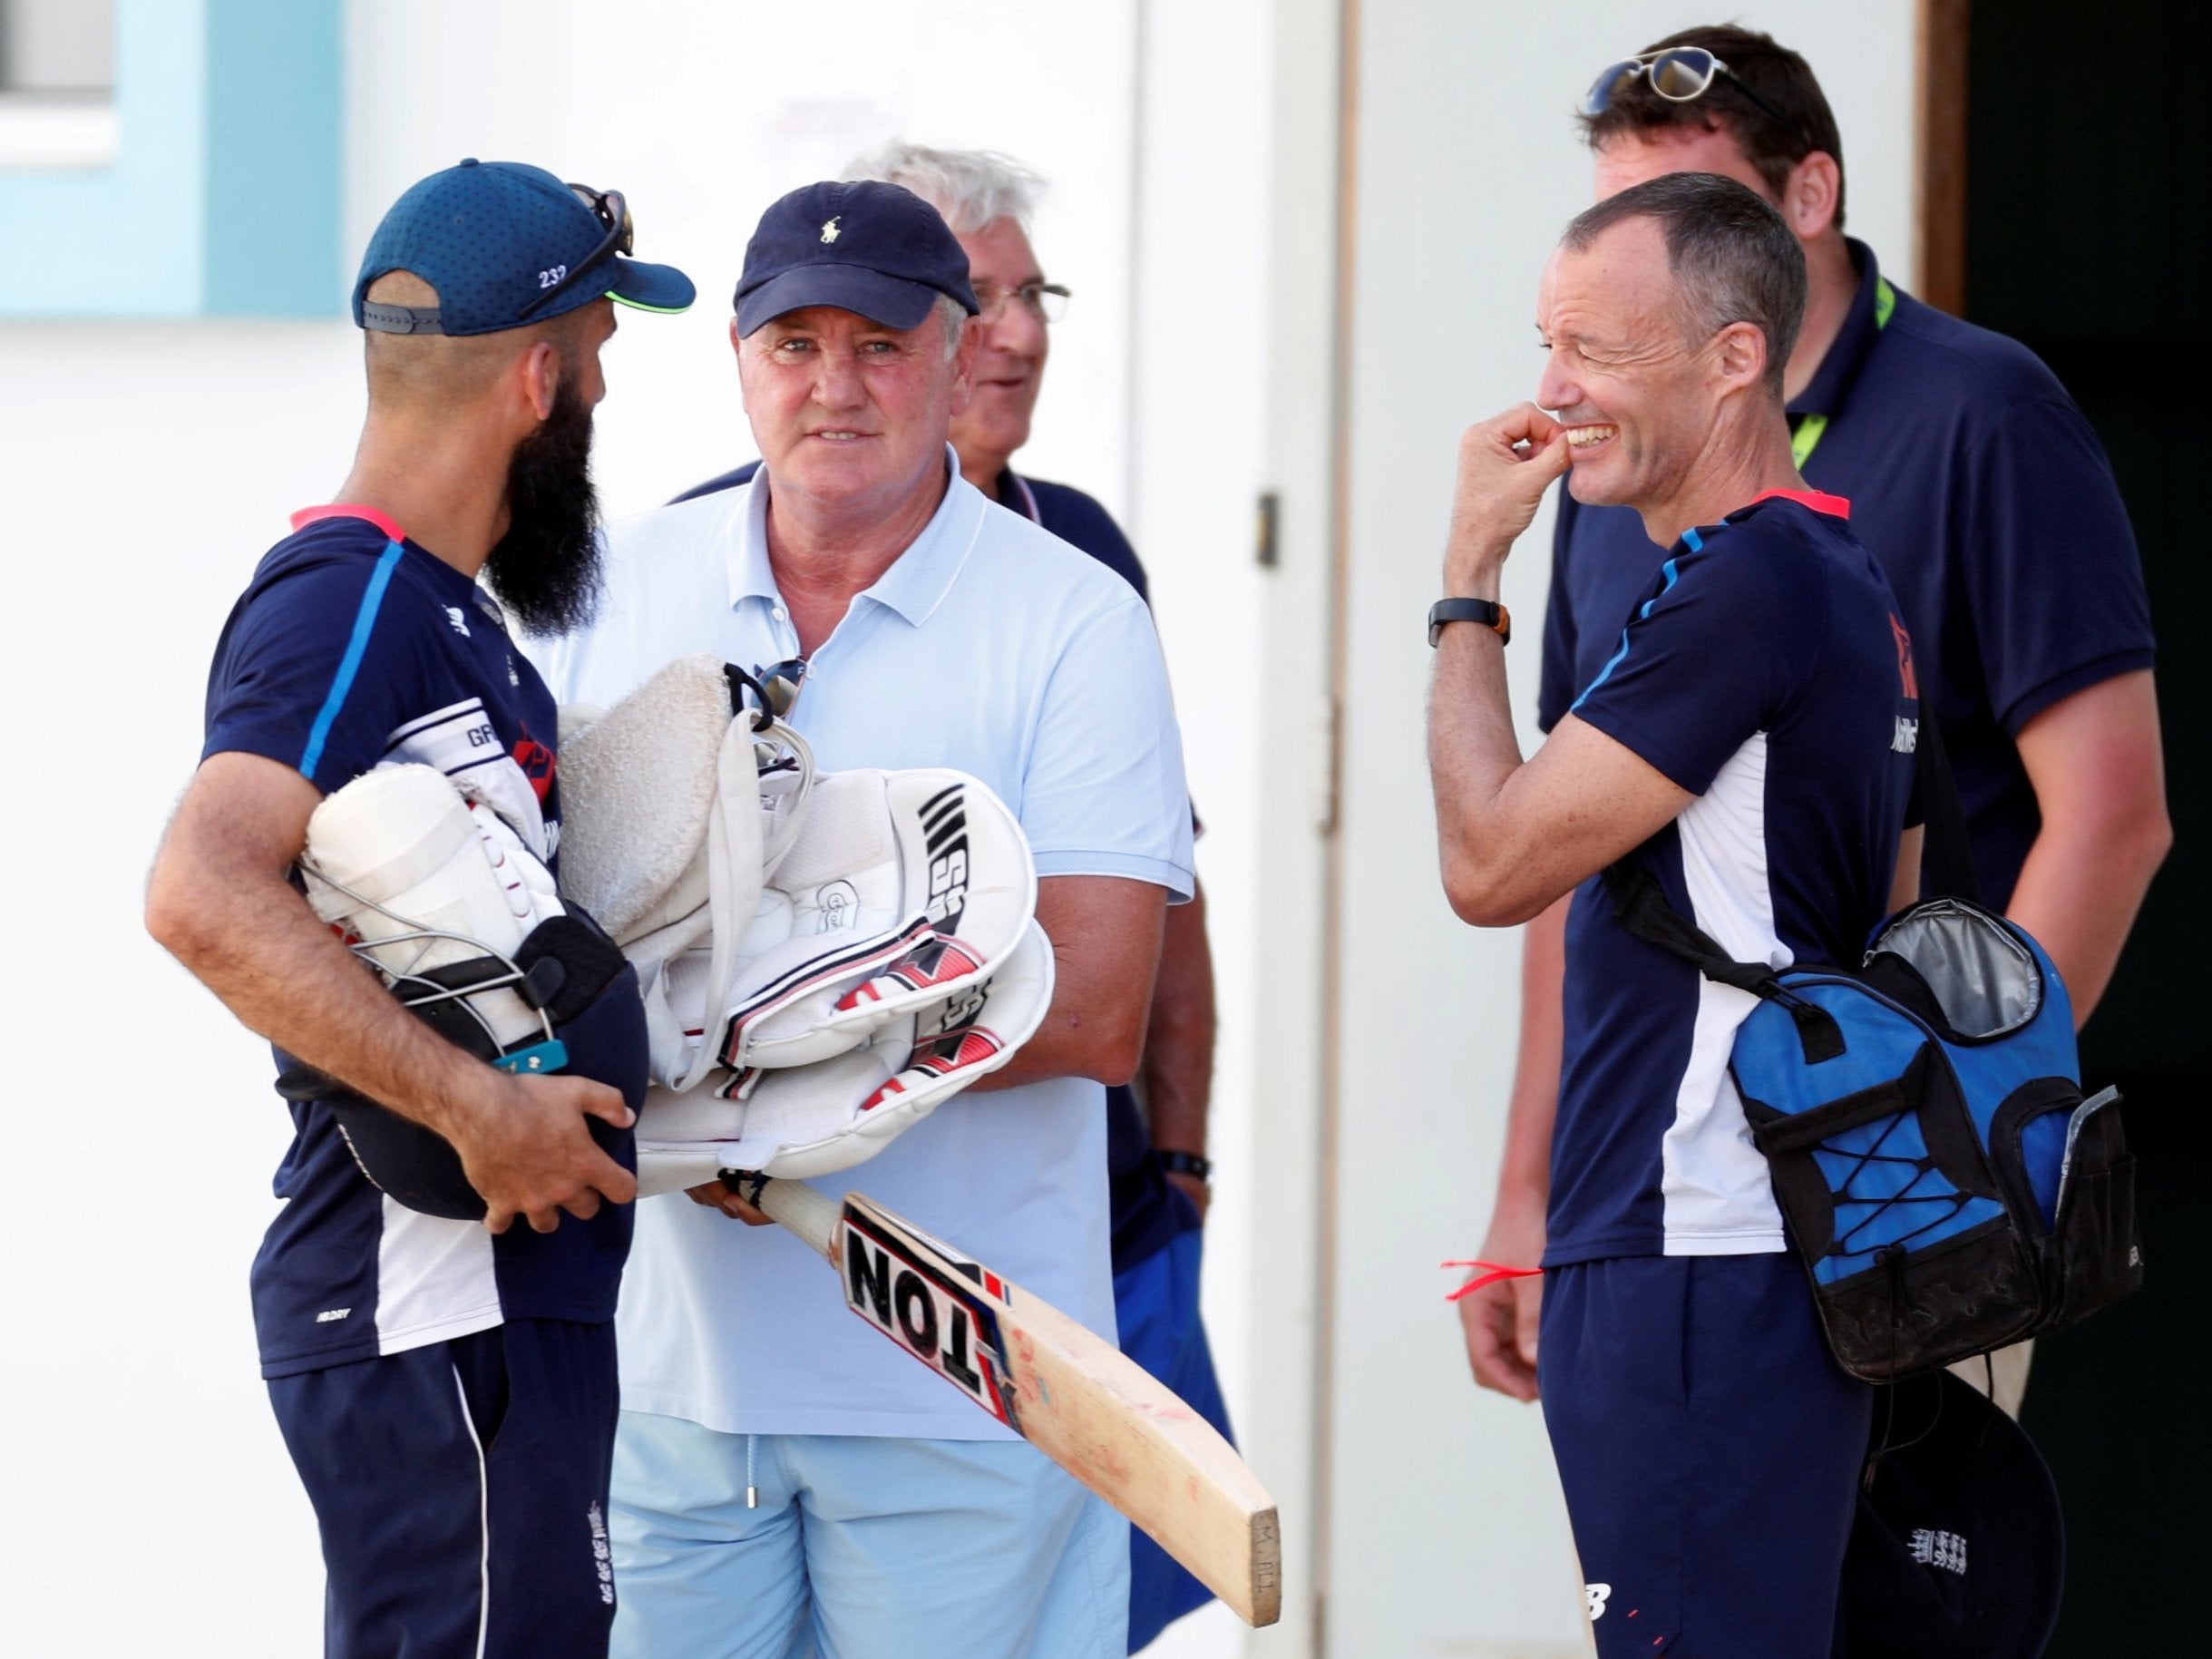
(1946, 1184)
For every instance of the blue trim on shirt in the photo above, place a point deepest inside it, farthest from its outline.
(1668, 571)
(357, 648)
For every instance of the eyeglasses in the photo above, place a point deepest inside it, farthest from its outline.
(1680, 74)
(1046, 301)
(621, 237)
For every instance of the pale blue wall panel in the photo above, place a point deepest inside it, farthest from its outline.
(224, 195)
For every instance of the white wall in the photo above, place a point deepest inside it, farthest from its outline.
(1445, 1531)
(151, 1502)
(150, 1506)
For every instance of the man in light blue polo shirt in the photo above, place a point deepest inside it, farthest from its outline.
(785, 1481)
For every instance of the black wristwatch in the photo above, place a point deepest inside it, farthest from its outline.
(1186, 1163)
(1487, 612)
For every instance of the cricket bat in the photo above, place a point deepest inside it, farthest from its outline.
(1079, 1400)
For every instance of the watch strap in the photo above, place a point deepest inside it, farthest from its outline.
(1487, 613)
(1191, 1164)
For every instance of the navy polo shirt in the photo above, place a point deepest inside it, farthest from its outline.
(351, 648)
(1763, 669)
(1147, 1210)
(1987, 501)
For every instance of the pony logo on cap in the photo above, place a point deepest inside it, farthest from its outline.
(829, 229)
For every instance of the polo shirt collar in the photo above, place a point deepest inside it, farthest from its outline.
(917, 581)
(1853, 345)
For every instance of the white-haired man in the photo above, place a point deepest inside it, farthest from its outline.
(784, 1481)
(1157, 1126)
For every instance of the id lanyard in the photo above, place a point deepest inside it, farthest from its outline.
(1804, 437)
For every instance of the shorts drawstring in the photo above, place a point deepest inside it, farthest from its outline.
(752, 1492)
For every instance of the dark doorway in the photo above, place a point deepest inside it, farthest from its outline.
(2089, 141)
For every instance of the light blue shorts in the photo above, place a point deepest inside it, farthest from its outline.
(858, 1549)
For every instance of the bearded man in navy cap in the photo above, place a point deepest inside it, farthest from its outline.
(784, 1480)
(447, 1388)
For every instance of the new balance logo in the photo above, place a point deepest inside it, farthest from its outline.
(1595, 1596)
(459, 622)
(1944, 1549)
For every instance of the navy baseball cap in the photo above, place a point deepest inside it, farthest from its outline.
(508, 245)
(877, 249)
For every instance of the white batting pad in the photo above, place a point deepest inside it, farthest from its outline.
(402, 864)
(673, 813)
(900, 890)
(818, 1118)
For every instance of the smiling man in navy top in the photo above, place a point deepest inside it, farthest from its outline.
(1748, 742)
(446, 1387)
(1988, 502)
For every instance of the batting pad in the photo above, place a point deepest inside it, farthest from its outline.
(400, 862)
(835, 1113)
(902, 890)
(675, 807)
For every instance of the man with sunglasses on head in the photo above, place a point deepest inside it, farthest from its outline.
(785, 1481)
(1157, 1126)
(1988, 502)
(447, 1388)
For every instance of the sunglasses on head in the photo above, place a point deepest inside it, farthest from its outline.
(621, 237)
(1680, 74)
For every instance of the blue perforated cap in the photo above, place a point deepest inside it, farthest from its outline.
(492, 237)
(874, 249)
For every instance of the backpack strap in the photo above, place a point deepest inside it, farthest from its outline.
(1641, 906)
(1947, 861)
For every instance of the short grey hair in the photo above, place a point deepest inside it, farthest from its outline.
(954, 317)
(1733, 258)
(971, 188)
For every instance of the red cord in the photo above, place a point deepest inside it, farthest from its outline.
(1492, 1274)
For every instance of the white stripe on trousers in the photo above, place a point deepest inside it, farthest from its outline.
(483, 1522)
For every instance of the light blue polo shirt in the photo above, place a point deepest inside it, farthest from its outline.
(992, 646)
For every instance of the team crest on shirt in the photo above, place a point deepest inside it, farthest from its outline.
(1905, 738)
(1905, 676)
(537, 765)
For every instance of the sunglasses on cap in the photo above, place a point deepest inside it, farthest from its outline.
(621, 237)
(1680, 74)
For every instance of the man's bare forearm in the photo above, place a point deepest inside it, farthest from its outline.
(1473, 749)
(219, 899)
(2099, 773)
(1105, 947)
(1175, 1077)
(1525, 1171)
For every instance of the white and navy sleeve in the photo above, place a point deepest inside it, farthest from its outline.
(1711, 654)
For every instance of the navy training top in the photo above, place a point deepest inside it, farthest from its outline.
(1148, 1212)
(1988, 502)
(1764, 670)
(353, 646)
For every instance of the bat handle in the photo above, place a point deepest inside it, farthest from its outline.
(797, 1207)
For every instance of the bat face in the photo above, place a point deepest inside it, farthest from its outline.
(934, 1305)
(1063, 1388)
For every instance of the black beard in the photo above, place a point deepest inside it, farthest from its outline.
(546, 568)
